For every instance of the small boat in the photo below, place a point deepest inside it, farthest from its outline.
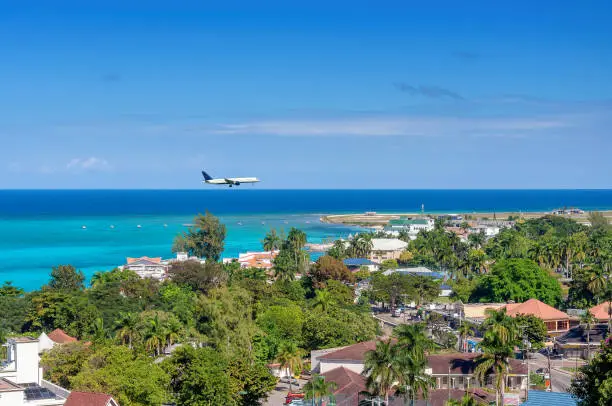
(263, 223)
(84, 227)
(165, 225)
(239, 223)
(138, 226)
(112, 226)
(307, 221)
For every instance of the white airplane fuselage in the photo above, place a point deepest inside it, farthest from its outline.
(230, 181)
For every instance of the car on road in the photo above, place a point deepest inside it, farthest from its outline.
(542, 371)
(396, 313)
(293, 381)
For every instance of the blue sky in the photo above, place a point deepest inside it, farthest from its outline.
(406, 94)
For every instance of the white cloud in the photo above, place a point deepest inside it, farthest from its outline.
(88, 164)
(403, 126)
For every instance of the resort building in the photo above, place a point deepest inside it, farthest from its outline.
(261, 260)
(90, 399)
(557, 322)
(386, 248)
(411, 226)
(146, 267)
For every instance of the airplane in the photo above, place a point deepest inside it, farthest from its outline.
(227, 181)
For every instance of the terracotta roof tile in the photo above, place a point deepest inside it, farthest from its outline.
(600, 312)
(349, 384)
(536, 308)
(353, 352)
(156, 260)
(88, 399)
(59, 336)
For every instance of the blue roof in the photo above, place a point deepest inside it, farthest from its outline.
(357, 262)
(445, 287)
(542, 398)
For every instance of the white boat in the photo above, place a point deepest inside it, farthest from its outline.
(84, 227)
(112, 226)
(165, 225)
(138, 226)
(239, 223)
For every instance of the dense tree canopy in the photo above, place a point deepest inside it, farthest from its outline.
(518, 280)
(328, 268)
(593, 384)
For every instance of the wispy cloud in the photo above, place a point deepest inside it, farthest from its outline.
(87, 164)
(427, 91)
(401, 126)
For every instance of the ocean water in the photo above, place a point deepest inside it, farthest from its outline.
(40, 229)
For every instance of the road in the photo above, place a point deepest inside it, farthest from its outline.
(560, 379)
(278, 395)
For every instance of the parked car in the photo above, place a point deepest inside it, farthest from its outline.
(396, 313)
(293, 381)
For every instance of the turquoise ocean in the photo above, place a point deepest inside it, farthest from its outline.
(97, 229)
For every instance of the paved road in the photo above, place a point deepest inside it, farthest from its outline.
(277, 396)
(560, 379)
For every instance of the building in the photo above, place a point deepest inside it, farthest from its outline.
(475, 312)
(557, 322)
(417, 271)
(56, 337)
(543, 398)
(355, 264)
(411, 226)
(445, 290)
(602, 312)
(387, 248)
(575, 343)
(261, 260)
(146, 267)
(21, 382)
(348, 385)
(90, 399)
(454, 371)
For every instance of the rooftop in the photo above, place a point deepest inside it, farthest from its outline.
(349, 384)
(578, 335)
(536, 308)
(89, 399)
(144, 261)
(600, 312)
(406, 222)
(353, 352)
(59, 336)
(358, 262)
(8, 386)
(542, 398)
(24, 339)
(388, 244)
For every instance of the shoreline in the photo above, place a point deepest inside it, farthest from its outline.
(379, 219)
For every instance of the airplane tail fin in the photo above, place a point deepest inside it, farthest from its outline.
(206, 176)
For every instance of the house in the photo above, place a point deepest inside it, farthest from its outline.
(261, 260)
(575, 343)
(476, 312)
(355, 264)
(454, 371)
(57, 336)
(557, 322)
(411, 226)
(445, 290)
(417, 271)
(90, 399)
(387, 248)
(21, 382)
(348, 385)
(146, 267)
(602, 312)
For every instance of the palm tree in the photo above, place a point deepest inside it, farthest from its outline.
(466, 400)
(382, 369)
(601, 286)
(128, 328)
(290, 359)
(497, 345)
(99, 333)
(155, 335)
(271, 241)
(412, 336)
(412, 364)
(318, 388)
(464, 330)
(173, 330)
(338, 250)
(588, 320)
(323, 300)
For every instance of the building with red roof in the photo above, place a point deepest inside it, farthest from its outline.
(557, 322)
(90, 399)
(602, 312)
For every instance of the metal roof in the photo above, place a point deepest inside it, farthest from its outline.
(358, 262)
(542, 398)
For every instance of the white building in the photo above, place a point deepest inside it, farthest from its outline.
(387, 248)
(412, 226)
(146, 267)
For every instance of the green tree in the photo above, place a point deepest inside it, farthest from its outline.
(328, 268)
(518, 280)
(381, 369)
(592, 385)
(66, 278)
(127, 328)
(466, 400)
(423, 289)
(205, 239)
(272, 241)
(180, 244)
(284, 322)
(533, 329)
(599, 221)
(413, 337)
(360, 246)
(323, 300)
(63, 362)
(587, 320)
(464, 330)
(497, 346)
(133, 380)
(8, 290)
(338, 250)
(388, 264)
(413, 379)
(337, 327)
(199, 277)
(318, 389)
(290, 359)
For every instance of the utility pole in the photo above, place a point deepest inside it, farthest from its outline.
(549, 370)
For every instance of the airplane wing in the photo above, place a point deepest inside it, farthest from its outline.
(230, 181)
